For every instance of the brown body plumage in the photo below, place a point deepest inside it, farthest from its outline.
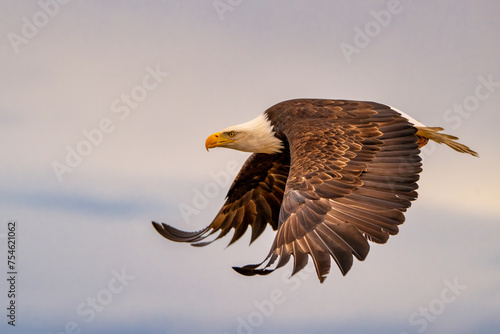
(341, 173)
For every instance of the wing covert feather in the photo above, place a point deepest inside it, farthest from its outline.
(353, 173)
(254, 199)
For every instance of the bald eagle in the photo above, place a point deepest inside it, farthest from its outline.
(328, 175)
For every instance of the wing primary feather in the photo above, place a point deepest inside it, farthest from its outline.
(254, 199)
(347, 174)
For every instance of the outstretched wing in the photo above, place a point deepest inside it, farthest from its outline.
(351, 178)
(253, 199)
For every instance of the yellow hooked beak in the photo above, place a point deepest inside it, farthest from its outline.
(216, 140)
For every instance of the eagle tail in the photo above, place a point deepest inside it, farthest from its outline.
(432, 133)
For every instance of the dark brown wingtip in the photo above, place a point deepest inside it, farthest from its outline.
(171, 233)
(157, 226)
(244, 271)
(251, 270)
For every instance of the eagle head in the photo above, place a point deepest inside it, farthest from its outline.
(255, 136)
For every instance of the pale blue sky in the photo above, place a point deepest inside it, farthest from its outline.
(148, 81)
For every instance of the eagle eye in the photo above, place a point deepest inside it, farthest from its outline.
(231, 134)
